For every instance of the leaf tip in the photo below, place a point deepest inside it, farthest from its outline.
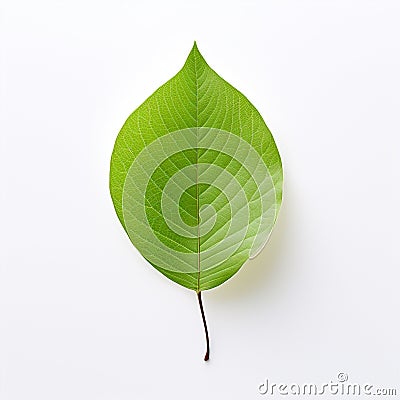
(195, 49)
(195, 56)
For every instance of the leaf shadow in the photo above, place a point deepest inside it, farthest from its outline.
(254, 274)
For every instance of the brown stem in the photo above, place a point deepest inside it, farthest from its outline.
(207, 355)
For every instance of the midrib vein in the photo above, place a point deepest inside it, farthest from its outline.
(197, 173)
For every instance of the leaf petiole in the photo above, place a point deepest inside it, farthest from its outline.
(207, 355)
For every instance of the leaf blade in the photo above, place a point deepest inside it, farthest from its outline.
(197, 110)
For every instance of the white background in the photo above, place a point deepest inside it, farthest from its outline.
(83, 316)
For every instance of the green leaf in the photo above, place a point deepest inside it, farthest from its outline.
(196, 178)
